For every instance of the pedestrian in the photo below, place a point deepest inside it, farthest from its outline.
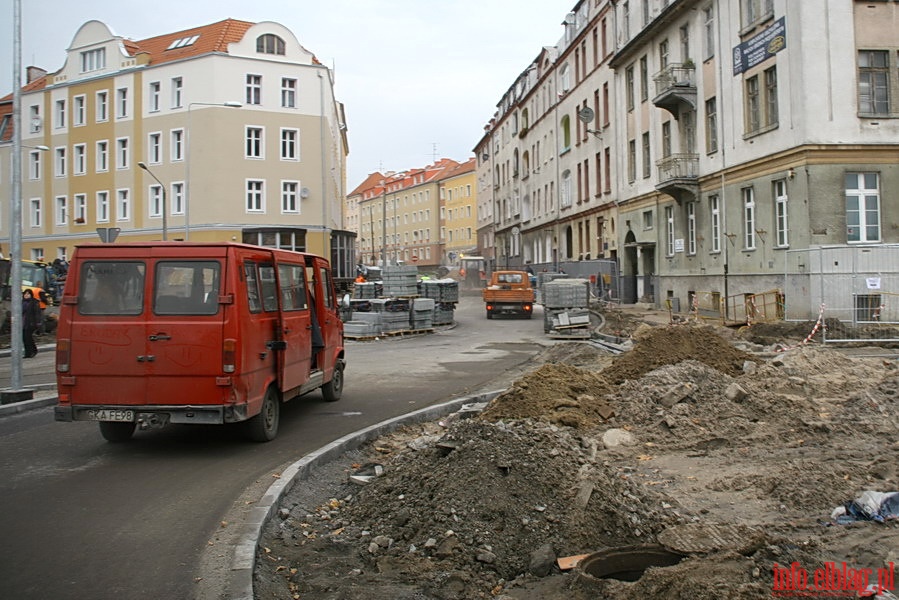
(31, 321)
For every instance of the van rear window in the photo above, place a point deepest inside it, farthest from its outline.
(186, 287)
(111, 288)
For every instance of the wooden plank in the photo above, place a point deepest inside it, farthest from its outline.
(566, 563)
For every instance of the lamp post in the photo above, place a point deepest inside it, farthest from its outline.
(231, 104)
(384, 228)
(165, 229)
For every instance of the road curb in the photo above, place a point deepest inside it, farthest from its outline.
(243, 556)
(20, 407)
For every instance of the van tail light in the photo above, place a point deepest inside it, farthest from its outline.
(229, 352)
(63, 354)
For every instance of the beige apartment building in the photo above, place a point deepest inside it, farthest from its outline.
(227, 131)
(710, 148)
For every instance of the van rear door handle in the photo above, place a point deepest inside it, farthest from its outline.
(159, 336)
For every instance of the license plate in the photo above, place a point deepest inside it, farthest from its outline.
(110, 415)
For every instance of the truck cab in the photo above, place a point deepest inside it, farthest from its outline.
(509, 293)
(207, 333)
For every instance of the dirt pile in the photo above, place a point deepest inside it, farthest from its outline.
(684, 435)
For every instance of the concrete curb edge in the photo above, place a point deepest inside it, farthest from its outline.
(243, 558)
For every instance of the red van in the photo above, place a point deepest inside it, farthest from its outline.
(181, 332)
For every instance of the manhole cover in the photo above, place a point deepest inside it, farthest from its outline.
(707, 537)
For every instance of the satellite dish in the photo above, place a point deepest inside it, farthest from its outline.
(304, 193)
(586, 114)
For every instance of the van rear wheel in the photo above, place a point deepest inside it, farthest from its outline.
(333, 390)
(116, 432)
(264, 426)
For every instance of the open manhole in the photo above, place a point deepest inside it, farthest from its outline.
(627, 563)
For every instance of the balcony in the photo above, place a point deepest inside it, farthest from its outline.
(676, 88)
(679, 176)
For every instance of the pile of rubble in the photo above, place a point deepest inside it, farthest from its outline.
(729, 454)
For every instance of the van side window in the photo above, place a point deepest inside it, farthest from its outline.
(325, 275)
(111, 288)
(269, 288)
(249, 271)
(186, 287)
(293, 287)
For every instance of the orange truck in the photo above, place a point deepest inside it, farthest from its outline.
(152, 333)
(509, 293)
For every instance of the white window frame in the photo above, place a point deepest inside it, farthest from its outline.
(781, 214)
(34, 165)
(691, 228)
(59, 161)
(565, 189)
(80, 206)
(290, 197)
(288, 92)
(290, 148)
(254, 89)
(154, 147)
(123, 204)
(102, 206)
(101, 112)
(177, 92)
(715, 222)
(121, 103)
(155, 93)
(59, 114)
(62, 210)
(154, 205)
(79, 110)
(747, 195)
(255, 196)
(176, 205)
(254, 147)
(867, 201)
(122, 152)
(177, 145)
(101, 160)
(669, 231)
(35, 210)
(79, 159)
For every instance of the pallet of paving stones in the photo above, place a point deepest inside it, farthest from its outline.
(441, 290)
(566, 293)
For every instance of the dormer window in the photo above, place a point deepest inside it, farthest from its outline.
(270, 44)
(93, 60)
(182, 42)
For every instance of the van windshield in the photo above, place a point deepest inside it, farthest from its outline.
(186, 287)
(111, 288)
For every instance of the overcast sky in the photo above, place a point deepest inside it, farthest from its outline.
(419, 78)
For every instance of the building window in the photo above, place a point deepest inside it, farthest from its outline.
(102, 112)
(79, 159)
(121, 103)
(35, 212)
(59, 164)
(255, 196)
(177, 92)
(669, 230)
(771, 112)
(566, 134)
(270, 43)
(289, 197)
(688, 132)
(629, 86)
(59, 115)
(93, 60)
(123, 205)
(288, 92)
(753, 109)
(708, 42)
(647, 220)
(177, 144)
(565, 77)
(646, 156)
(862, 207)
(122, 157)
(254, 142)
(176, 206)
(254, 89)
(756, 10)
(748, 218)
(79, 106)
(102, 207)
(644, 79)
(666, 139)
(565, 189)
(761, 115)
(711, 125)
(873, 82)
(715, 222)
(663, 54)
(632, 160)
(80, 208)
(154, 148)
(290, 149)
(155, 92)
(691, 228)
(780, 212)
(102, 156)
(155, 205)
(62, 210)
(34, 165)
(626, 20)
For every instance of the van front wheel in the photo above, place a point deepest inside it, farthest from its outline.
(117, 432)
(333, 390)
(264, 426)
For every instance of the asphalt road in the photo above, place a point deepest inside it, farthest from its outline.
(81, 518)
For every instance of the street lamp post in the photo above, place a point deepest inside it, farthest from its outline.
(231, 104)
(165, 229)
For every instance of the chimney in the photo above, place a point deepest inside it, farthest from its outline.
(34, 73)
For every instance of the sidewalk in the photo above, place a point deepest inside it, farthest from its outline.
(44, 394)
